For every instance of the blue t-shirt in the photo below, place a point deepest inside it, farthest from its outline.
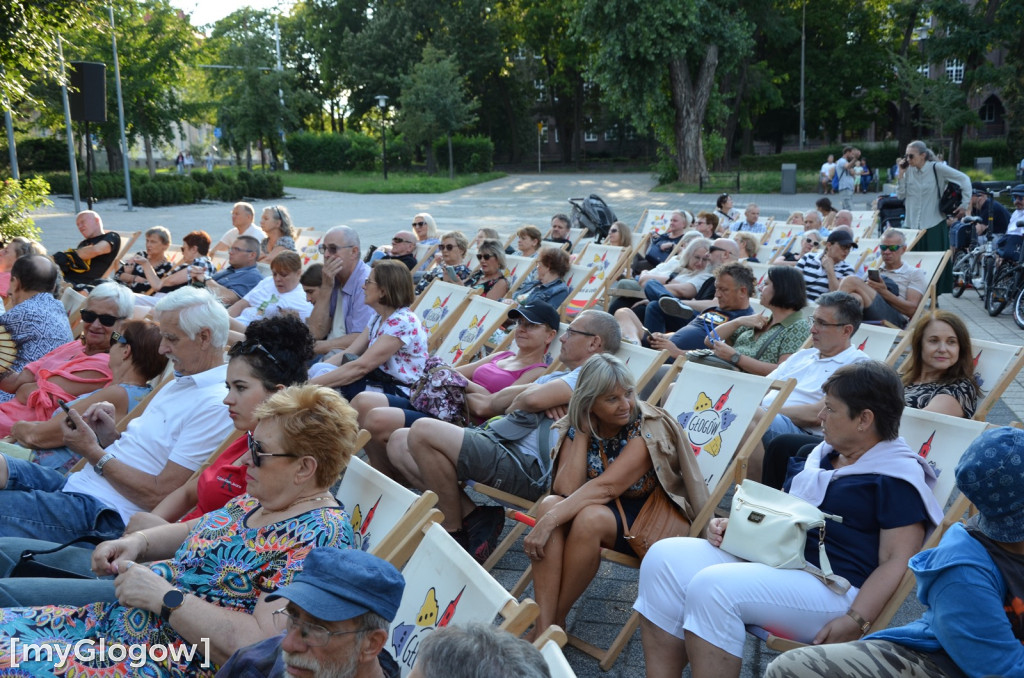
(239, 280)
(692, 335)
(868, 504)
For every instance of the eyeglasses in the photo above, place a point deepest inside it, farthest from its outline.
(418, 224)
(447, 248)
(246, 348)
(369, 282)
(703, 257)
(908, 156)
(889, 248)
(239, 249)
(89, 317)
(484, 257)
(818, 322)
(256, 450)
(313, 635)
(570, 331)
(613, 230)
(398, 241)
(331, 249)
(118, 338)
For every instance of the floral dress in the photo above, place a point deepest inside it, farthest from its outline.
(222, 561)
(407, 363)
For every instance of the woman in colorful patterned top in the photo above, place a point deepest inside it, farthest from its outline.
(938, 376)
(391, 353)
(762, 342)
(208, 580)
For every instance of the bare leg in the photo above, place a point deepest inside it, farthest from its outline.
(398, 458)
(547, 573)
(664, 654)
(858, 288)
(365, 402)
(755, 462)
(434, 447)
(710, 661)
(592, 528)
(630, 324)
(381, 422)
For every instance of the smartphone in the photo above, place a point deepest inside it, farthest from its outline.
(64, 406)
(450, 270)
(904, 163)
(873, 274)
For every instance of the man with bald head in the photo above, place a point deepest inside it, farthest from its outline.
(403, 245)
(340, 313)
(37, 321)
(84, 265)
(843, 218)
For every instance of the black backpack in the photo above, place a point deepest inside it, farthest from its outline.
(592, 214)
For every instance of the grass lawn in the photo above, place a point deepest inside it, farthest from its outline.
(373, 182)
(750, 182)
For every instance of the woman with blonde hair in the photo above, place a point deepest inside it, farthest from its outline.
(490, 278)
(276, 222)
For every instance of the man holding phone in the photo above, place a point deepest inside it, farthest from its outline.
(892, 292)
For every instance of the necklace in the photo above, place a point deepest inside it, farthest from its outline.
(314, 497)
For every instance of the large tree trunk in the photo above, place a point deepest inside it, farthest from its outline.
(690, 100)
(148, 146)
(451, 159)
(904, 121)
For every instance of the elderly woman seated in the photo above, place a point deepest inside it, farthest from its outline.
(613, 453)
(133, 271)
(68, 371)
(135, 361)
(545, 283)
(209, 578)
(970, 586)
(450, 254)
(695, 599)
(390, 354)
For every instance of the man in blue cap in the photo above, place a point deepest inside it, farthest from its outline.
(335, 622)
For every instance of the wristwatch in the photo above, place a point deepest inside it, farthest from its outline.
(98, 467)
(735, 358)
(173, 599)
(864, 624)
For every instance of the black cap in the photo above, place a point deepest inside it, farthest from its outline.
(843, 237)
(538, 313)
(1017, 190)
(978, 188)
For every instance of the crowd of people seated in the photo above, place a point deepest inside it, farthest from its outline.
(175, 355)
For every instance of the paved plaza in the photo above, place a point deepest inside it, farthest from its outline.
(506, 204)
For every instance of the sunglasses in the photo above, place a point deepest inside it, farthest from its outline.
(256, 450)
(418, 224)
(484, 257)
(249, 349)
(812, 241)
(399, 241)
(118, 338)
(889, 248)
(447, 248)
(89, 317)
(613, 230)
(330, 249)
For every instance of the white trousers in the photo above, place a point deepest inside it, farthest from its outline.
(688, 585)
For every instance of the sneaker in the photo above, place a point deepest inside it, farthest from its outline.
(675, 308)
(483, 528)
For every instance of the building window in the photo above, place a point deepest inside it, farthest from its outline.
(612, 133)
(542, 94)
(955, 70)
(990, 110)
(925, 70)
(589, 136)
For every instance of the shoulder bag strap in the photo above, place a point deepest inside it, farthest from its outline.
(618, 503)
(776, 333)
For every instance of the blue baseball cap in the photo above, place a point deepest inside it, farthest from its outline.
(339, 584)
(991, 474)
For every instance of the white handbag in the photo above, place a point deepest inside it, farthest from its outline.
(769, 526)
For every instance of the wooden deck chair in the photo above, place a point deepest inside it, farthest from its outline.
(444, 586)
(912, 236)
(760, 270)
(586, 293)
(517, 268)
(576, 235)
(467, 334)
(173, 254)
(557, 245)
(550, 643)
(609, 260)
(642, 363)
(933, 263)
(653, 221)
(128, 239)
(782, 235)
(73, 302)
(307, 245)
(865, 256)
(440, 304)
(876, 340)
(383, 512)
(996, 366)
(941, 439)
(424, 255)
(714, 407)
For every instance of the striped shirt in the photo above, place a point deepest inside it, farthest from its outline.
(816, 278)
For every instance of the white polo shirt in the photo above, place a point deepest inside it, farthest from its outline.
(810, 371)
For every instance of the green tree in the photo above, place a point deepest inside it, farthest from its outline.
(434, 101)
(17, 200)
(657, 63)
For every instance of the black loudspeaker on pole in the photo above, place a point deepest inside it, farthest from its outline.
(88, 96)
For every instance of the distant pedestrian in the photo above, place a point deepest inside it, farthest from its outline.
(209, 161)
(180, 162)
(189, 162)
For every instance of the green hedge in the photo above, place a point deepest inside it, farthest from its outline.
(880, 156)
(330, 152)
(471, 154)
(174, 189)
(37, 155)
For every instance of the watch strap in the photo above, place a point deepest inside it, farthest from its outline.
(98, 466)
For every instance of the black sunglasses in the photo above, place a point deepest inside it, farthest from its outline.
(89, 317)
(256, 450)
(484, 257)
(400, 240)
(249, 349)
(118, 338)
(447, 248)
(417, 224)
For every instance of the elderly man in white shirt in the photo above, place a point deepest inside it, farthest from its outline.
(242, 216)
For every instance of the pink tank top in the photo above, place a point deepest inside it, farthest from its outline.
(493, 378)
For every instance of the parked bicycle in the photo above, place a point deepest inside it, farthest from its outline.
(1008, 277)
(970, 257)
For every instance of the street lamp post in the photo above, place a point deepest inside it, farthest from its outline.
(382, 104)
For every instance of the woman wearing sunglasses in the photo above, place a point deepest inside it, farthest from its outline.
(68, 371)
(451, 252)
(134, 361)
(277, 224)
(210, 576)
(271, 358)
(619, 235)
(490, 277)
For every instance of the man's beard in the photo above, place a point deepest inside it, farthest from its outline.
(342, 667)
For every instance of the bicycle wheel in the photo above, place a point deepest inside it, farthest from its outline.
(963, 263)
(999, 293)
(1018, 309)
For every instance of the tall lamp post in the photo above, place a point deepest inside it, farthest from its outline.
(382, 104)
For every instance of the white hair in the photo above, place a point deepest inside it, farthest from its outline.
(119, 294)
(198, 310)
